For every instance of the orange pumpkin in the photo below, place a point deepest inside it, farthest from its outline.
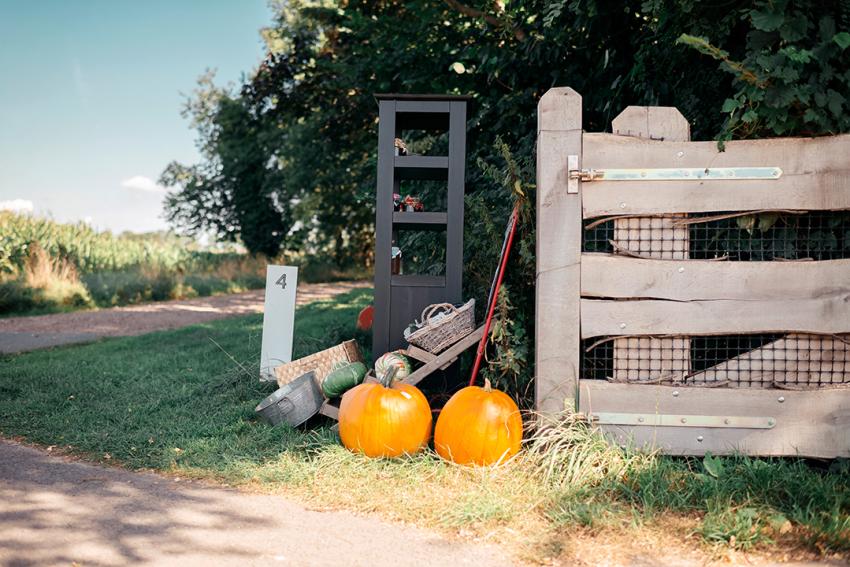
(478, 426)
(384, 419)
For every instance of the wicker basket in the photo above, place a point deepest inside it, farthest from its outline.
(321, 363)
(438, 335)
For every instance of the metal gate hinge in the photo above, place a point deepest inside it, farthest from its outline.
(670, 174)
(682, 420)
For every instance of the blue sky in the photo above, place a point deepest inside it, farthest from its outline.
(90, 98)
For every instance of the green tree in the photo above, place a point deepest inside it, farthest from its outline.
(315, 118)
(232, 193)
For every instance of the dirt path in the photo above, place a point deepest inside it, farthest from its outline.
(20, 334)
(59, 512)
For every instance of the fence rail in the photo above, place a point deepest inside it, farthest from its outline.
(815, 175)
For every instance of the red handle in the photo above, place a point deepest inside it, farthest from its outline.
(492, 307)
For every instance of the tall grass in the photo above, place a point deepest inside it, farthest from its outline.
(48, 266)
(90, 251)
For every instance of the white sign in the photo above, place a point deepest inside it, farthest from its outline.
(278, 319)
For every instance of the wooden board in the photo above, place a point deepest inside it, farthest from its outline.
(816, 175)
(559, 232)
(605, 275)
(446, 357)
(329, 410)
(650, 358)
(825, 315)
(794, 361)
(809, 424)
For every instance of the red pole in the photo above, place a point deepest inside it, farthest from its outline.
(479, 355)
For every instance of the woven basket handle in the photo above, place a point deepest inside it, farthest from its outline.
(429, 311)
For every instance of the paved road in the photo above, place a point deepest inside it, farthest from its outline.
(54, 511)
(20, 334)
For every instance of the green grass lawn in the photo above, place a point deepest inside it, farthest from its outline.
(183, 402)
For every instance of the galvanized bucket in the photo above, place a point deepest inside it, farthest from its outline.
(294, 403)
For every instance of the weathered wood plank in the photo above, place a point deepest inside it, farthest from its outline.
(605, 275)
(652, 123)
(329, 410)
(650, 358)
(816, 175)
(559, 231)
(793, 361)
(813, 423)
(445, 358)
(419, 354)
(824, 315)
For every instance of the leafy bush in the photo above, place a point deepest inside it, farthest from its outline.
(309, 115)
(793, 77)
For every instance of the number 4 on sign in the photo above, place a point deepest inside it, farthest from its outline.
(281, 281)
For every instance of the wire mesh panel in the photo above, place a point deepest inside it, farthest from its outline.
(821, 235)
(780, 360)
(793, 361)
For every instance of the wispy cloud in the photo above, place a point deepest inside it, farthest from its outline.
(142, 183)
(17, 205)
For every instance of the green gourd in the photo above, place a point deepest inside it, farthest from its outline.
(343, 378)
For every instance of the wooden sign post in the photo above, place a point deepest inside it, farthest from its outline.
(278, 319)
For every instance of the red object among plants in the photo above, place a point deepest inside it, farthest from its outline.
(364, 320)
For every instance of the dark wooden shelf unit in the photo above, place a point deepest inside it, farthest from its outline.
(400, 299)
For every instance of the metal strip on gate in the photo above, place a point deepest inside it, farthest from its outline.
(667, 420)
(675, 174)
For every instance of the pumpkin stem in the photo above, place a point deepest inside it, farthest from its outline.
(389, 377)
(487, 386)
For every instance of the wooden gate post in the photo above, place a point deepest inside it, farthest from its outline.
(558, 251)
(647, 358)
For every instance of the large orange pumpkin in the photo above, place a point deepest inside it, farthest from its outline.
(384, 419)
(478, 426)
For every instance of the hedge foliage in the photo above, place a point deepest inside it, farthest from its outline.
(289, 158)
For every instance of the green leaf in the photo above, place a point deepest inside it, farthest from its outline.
(731, 105)
(712, 465)
(842, 39)
(836, 102)
(767, 21)
(750, 116)
(797, 55)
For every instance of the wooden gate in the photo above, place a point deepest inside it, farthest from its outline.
(691, 299)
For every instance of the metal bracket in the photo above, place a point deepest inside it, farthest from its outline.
(667, 420)
(572, 182)
(671, 174)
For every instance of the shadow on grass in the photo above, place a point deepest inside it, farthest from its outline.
(182, 398)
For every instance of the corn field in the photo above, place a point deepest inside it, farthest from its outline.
(90, 251)
(47, 266)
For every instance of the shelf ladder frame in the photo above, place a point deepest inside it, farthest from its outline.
(399, 300)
